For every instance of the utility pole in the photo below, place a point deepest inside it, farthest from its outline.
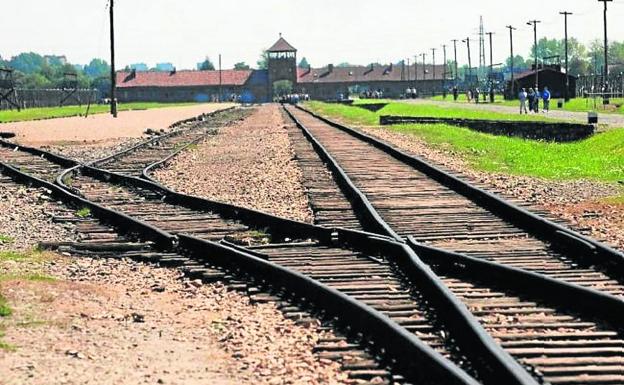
(415, 69)
(456, 66)
(511, 29)
(408, 70)
(424, 55)
(433, 50)
(113, 74)
(605, 75)
(444, 58)
(220, 80)
(467, 41)
(567, 83)
(491, 74)
(534, 24)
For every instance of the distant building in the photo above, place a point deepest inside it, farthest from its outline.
(165, 67)
(282, 75)
(549, 76)
(139, 67)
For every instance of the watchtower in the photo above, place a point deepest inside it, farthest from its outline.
(7, 88)
(282, 63)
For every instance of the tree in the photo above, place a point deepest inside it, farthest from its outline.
(35, 81)
(578, 60)
(97, 68)
(27, 62)
(263, 62)
(344, 64)
(304, 63)
(207, 65)
(547, 48)
(519, 64)
(241, 66)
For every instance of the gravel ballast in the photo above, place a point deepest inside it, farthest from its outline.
(26, 217)
(122, 322)
(250, 163)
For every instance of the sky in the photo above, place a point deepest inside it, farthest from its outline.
(324, 31)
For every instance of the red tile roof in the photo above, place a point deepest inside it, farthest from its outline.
(282, 46)
(182, 78)
(368, 73)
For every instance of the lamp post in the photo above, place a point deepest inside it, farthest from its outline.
(605, 85)
(113, 74)
(566, 93)
(467, 41)
(511, 29)
(534, 24)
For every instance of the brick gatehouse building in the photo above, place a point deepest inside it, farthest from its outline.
(260, 85)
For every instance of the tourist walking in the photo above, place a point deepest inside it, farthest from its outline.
(536, 101)
(546, 99)
(531, 99)
(522, 96)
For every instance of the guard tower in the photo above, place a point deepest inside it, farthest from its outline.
(282, 58)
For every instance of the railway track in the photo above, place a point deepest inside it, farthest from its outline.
(417, 321)
(556, 343)
(135, 206)
(414, 201)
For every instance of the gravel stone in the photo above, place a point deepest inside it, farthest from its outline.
(83, 329)
(250, 163)
(26, 217)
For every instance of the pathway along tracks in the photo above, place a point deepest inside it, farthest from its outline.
(561, 346)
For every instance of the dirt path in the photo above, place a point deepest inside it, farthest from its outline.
(611, 120)
(103, 127)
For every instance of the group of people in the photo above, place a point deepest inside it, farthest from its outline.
(529, 101)
(411, 93)
(293, 98)
(378, 94)
(476, 95)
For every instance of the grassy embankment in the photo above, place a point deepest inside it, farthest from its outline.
(600, 157)
(574, 105)
(68, 111)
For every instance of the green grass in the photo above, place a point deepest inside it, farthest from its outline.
(365, 117)
(574, 105)
(67, 111)
(13, 256)
(83, 212)
(5, 309)
(581, 105)
(600, 157)
(34, 255)
(4, 345)
(5, 239)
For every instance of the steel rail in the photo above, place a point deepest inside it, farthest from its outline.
(402, 349)
(161, 137)
(582, 300)
(567, 239)
(500, 365)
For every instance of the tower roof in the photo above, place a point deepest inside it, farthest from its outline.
(282, 46)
